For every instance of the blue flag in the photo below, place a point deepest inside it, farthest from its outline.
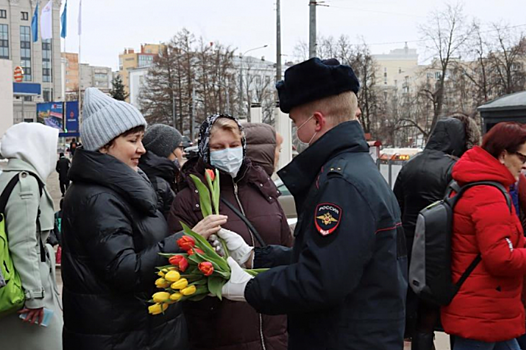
(64, 20)
(34, 25)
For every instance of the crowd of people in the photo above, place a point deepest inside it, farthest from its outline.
(339, 281)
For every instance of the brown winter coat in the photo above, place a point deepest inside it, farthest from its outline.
(228, 325)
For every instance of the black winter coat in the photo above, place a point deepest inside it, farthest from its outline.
(424, 179)
(62, 169)
(162, 173)
(345, 281)
(112, 235)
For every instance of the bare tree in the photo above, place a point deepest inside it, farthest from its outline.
(188, 81)
(507, 59)
(447, 33)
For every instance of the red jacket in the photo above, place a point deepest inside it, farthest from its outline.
(488, 306)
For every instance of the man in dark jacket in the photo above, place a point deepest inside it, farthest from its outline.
(62, 169)
(161, 163)
(343, 285)
(421, 182)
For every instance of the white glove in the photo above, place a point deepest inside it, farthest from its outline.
(238, 248)
(234, 289)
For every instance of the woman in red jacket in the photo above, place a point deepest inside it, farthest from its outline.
(487, 312)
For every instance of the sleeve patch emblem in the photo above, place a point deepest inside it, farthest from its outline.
(327, 218)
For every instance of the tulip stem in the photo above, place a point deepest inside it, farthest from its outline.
(225, 249)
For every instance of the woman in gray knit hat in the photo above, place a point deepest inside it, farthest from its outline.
(112, 237)
(162, 161)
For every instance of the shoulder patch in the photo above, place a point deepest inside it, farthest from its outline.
(327, 218)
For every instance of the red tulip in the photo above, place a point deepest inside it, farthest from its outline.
(186, 242)
(211, 174)
(206, 268)
(179, 261)
(195, 250)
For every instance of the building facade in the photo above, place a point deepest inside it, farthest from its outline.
(40, 60)
(130, 59)
(391, 66)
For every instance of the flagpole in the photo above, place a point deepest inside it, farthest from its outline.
(65, 115)
(80, 52)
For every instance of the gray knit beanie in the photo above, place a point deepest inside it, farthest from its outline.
(161, 139)
(105, 118)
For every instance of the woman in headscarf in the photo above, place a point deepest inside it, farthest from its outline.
(226, 325)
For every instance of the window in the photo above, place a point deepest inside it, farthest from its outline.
(25, 16)
(47, 75)
(399, 70)
(4, 41)
(28, 98)
(25, 52)
(47, 94)
(145, 60)
(438, 75)
(3, 13)
(385, 75)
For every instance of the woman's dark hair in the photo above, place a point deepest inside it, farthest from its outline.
(507, 136)
(126, 133)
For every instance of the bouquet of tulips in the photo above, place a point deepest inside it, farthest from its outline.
(201, 271)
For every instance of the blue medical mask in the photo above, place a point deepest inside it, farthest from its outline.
(228, 160)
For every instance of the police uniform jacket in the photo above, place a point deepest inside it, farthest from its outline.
(343, 284)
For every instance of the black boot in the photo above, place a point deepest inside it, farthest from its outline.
(422, 341)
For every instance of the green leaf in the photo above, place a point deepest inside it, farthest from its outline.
(216, 192)
(215, 285)
(204, 196)
(255, 272)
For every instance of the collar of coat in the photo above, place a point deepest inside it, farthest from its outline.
(299, 175)
(93, 167)
(155, 166)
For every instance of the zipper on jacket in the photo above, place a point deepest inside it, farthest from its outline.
(261, 332)
(236, 192)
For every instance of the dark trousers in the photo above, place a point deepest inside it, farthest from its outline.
(64, 186)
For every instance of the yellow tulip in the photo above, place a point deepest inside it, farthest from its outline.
(156, 309)
(162, 272)
(181, 284)
(176, 296)
(172, 276)
(162, 283)
(188, 290)
(161, 297)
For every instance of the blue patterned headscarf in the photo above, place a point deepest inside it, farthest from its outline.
(204, 135)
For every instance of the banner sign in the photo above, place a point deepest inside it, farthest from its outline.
(72, 119)
(51, 114)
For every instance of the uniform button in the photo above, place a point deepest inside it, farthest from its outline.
(197, 205)
(196, 191)
(270, 198)
(24, 175)
(261, 185)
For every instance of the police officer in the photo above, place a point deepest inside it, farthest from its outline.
(343, 285)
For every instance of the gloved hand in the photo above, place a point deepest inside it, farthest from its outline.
(234, 289)
(236, 245)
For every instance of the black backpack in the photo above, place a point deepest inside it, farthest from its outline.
(430, 268)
